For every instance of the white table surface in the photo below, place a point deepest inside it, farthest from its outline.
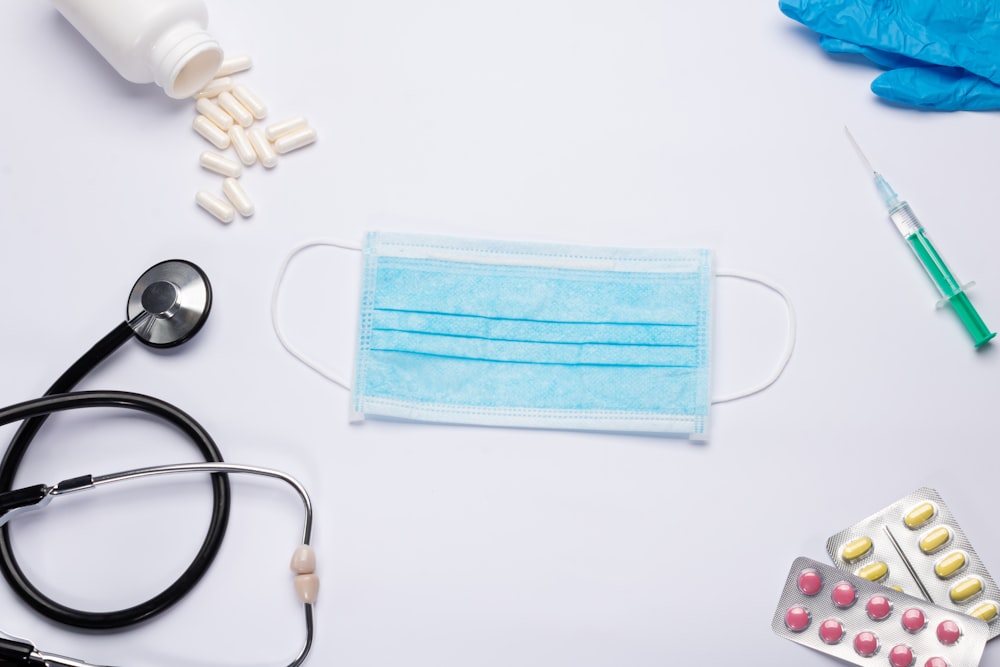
(634, 123)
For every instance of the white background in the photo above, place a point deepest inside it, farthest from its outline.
(636, 123)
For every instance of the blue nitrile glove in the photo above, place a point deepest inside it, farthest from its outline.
(941, 54)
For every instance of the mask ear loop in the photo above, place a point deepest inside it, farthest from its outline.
(789, 335)
(292, 350)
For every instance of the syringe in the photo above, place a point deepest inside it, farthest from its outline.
(952, 291)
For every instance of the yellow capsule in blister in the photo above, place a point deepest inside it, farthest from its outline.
(874, 571)
(965, 589)
(897, 588)
(935, 539)
(856, 548)
(920, 514)
(986, 611)
(950, 564)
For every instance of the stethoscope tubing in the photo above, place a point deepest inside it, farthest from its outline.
(89, 482)
(35, 411)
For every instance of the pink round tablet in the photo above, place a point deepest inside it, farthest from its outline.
(866, 644)
(936, 661)
(879, 608)
(797, 619)
(831, 631)
(810, 581)
(948, 632)
(844, 595)
(913, 620)
(901, 655)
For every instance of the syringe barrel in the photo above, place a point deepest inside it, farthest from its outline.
(944, 280)
(942, 277)
(910, 228)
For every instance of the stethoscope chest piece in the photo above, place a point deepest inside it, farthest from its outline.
(169, 303)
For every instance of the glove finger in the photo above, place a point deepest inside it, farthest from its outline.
(816, 14)
(883, 59)
(958, 34)
(938, 88)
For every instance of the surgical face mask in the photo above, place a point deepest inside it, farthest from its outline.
(500, 333)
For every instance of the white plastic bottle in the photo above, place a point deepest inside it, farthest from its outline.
(160, 41)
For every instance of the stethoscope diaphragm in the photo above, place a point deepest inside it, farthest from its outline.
(169, 303)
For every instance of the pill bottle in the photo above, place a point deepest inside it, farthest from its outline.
(159, 41)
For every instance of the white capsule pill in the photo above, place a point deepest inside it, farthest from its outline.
(214, 113)
(262, 147)
(275, 130)
(220, 164)
(210, 131)
(215, 86)
(217, 206)
(238, 196)
(233, 107)
(233, 65)
(250, 100)
(241, 142)
(293, 140)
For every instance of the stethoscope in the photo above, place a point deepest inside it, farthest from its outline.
(168, 305)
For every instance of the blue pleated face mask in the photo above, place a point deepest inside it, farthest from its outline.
(536, 335)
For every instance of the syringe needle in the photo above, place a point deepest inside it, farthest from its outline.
(857, 149)
(889, 195)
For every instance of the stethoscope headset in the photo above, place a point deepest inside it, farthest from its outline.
(167, 306)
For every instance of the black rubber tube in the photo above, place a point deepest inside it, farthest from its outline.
(59, 398)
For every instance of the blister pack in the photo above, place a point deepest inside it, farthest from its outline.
(915, 545)
(867, 624)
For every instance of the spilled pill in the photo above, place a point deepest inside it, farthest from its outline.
(217, 206)
(233, 65)
(855, 549)
(220, 164)
(211, 132)
(249, 99)
(950, 564)
(241, 143)
(215, 86)
(236, 194)
(935, 539)
(920, 514)
(294, 140)
(262, 147)
(965, 589)
(275, 130)
(874, 571)
(214, 113)
(237, 111)
(226, 115)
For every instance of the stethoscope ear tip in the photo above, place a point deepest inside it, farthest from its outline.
(169, 303)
